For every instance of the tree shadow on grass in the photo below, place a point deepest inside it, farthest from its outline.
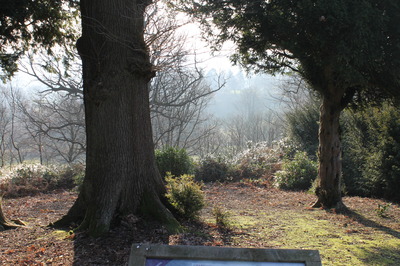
(369, 223)
(114, 248)
(226, 235)
(381, 256)
(205, 234)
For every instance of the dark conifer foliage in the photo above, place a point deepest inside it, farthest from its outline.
(30, 24)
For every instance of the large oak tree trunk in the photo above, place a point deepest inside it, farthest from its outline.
(329, 153)
(121, 175)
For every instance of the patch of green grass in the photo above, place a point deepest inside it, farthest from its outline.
(343, 246)
(338, 244)
(61, 234)
(58, 234)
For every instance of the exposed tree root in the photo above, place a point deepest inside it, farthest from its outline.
(8, 224)
(339, 207)
(316, 204)
(151, 207)
(74, 216)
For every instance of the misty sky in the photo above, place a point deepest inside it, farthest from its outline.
(226, 101)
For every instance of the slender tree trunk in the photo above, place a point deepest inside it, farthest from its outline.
(121, 175)
(40, 148)
(329, 153)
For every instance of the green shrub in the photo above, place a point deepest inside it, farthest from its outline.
(372, 151)
(302, 127)
(185, 195)
(212, 170)
(173, 160)
(68, 174)
(370, 145)
(76, 173)
(222, 218)
(382, 164)
(382, 210)
(78, 180)
(297, 174)
(353, 140)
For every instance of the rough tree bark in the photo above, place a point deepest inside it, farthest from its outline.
(121, 174)
(328, 188)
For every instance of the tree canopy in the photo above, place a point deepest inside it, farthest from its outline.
(30, 24)
(357, 41)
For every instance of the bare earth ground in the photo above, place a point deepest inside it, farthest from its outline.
(259, 217)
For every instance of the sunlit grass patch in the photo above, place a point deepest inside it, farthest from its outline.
(355, 238)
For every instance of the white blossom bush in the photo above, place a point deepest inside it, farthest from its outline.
(260, 160)
(27, 179)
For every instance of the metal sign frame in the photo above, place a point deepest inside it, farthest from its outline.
(207, 255)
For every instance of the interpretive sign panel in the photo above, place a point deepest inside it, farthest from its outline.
(164, 255)
(158, 262)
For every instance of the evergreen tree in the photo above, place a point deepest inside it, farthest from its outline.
(30, 25)
(342, 48)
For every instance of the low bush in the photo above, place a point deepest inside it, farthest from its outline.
(185, 195)
(382, 210)
(29, 179)
(222, 218)
(302, 127)
(297, 174)
(212, 170)
(259, 161)
(78, 179)
(174, 160)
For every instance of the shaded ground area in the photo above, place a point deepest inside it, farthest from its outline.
(259, 217)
